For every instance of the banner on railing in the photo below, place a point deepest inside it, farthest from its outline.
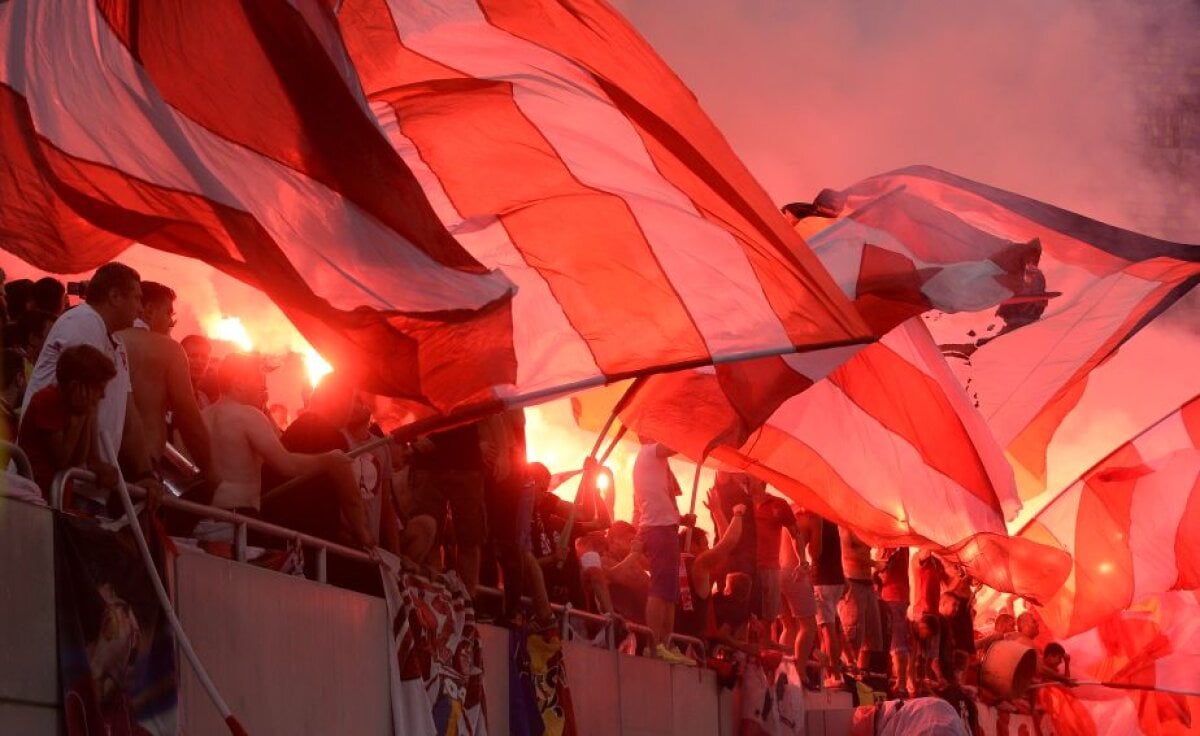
(437, 672)
(539, 699)
(772, 700)
(116, 653)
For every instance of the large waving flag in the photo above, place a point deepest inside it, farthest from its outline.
(252, 149)
(1065, 380)
(1131, 524)
(1150, 655)
(557, 147)
(393, 173)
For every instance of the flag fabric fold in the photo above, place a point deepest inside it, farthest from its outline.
(1131, 525)
(557, 147)
(470, 203)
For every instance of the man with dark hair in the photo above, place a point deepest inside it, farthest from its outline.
(29, 336)
(114, 300)
(50, 295)
(1056, 664)
(198, 350)
(158, 370)
(18, 298)
(59, 424)
(158, 307)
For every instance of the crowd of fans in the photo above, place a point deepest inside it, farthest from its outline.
(776, 577)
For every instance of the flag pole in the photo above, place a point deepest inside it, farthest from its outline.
(231, 722)
(687, 540)
(620, 406)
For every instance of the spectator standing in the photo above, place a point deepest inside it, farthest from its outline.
(859, 607)
(894, 592)
(729, 491)
(654, 492)
(114, 300)
(772, 516)
(448, 470)
(829, 583)
(509, 508)
(703, 563)
(411, 537)
(158, 371)
(796, 586)
(29, 336)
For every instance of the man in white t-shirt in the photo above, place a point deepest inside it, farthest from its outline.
(654, 491)
(114, 300)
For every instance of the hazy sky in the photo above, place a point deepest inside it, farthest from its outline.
(1044, 98)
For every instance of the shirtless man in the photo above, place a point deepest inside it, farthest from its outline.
(243, 439)
(796, 587)
(158, 368)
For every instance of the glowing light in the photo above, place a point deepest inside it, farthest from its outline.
(1105, 568)
(232, 330)
(602, 482)
(316, 366)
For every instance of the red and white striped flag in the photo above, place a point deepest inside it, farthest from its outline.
(889, 446)
(235, 133)
(1132, 525)
(1154, 647)
(557, 147)
(898, 250)
(1064, 381)
(322, 157)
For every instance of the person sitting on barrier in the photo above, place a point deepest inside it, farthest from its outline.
(625, 569)
(243, 441)
(412, 537)
(733, 621)
(1055, 664)
(590, 549)
(59, 426)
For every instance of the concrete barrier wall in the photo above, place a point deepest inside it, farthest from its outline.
(614, 694)
(290, 656)
(28, 646)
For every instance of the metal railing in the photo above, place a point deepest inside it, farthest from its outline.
(18, 458)
(568, 612)
(242, 524)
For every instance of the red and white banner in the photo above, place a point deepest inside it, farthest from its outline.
(391, 174)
